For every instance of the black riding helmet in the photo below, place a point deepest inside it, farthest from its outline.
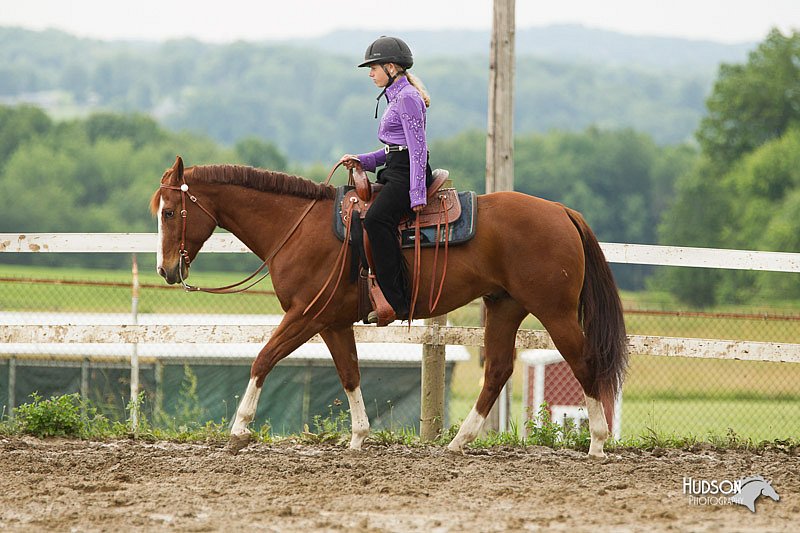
(388, 50)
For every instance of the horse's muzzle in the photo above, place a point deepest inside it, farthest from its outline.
(173, 276)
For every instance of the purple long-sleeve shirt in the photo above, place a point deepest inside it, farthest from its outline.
(403, 123)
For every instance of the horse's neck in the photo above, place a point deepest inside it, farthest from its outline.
(262, 220)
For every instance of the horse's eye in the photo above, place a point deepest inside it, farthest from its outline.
(168, 213)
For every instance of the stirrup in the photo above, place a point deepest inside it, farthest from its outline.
(374, 318)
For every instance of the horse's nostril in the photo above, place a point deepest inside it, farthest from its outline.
(162, 272)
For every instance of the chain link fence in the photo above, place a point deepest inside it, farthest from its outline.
(196, 383)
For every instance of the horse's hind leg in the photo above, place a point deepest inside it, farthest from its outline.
(503, 318)
(568, 338)
(342, 345)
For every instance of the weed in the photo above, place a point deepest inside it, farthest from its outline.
(542, 431)
(328, 430)
(447, 435)
(264, 433)
(188, 412)
(8, 426)
(406, 436)
(654, 438)
(732, 441)
(61, 416)
(502, 438)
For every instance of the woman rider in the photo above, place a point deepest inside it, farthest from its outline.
(406, 173)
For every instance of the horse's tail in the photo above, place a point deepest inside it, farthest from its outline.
(600, 314)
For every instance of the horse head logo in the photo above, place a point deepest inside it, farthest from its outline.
(751, 488)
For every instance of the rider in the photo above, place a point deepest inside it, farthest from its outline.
(406, 173)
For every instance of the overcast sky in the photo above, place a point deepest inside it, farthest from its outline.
(255, 20)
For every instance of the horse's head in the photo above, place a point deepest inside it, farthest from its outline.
(183, 224)
(769, 491)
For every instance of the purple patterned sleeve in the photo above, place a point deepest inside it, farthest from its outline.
(372, 160)
(412, 117)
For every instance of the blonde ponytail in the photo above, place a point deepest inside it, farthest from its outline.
(420, 87)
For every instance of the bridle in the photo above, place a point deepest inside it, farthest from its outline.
(183, 253)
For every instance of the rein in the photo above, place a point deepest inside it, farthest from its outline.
(184, 254)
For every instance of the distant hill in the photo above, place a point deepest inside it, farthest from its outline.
(308, 98)
(569, 43)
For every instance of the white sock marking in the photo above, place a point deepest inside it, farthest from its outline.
(247, 409)
(597, 426)
(359, 420)
(467, 432)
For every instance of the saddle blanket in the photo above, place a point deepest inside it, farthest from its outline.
(461, 230)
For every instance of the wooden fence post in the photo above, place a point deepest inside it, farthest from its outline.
(433, 383)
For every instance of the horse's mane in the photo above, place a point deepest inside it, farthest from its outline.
(254, 178)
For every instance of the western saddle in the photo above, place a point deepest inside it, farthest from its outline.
(442, 208)
(357, 202)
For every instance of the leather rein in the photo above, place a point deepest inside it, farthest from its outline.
(184, 253)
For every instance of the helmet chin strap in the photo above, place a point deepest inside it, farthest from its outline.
(383, 92)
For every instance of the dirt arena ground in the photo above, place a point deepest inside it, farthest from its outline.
(67, 485)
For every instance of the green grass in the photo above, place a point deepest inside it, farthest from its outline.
(755, 419)
(155, 295)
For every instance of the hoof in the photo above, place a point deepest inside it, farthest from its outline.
(597, 455)
(455, 450)
(357, 441)
(237, 443)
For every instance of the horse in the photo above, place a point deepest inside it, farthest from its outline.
(528, 256)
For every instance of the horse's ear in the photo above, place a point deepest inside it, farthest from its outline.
(174, 174)
(177, 168)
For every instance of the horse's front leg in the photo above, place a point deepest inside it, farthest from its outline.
(291, 333)
(342, 345)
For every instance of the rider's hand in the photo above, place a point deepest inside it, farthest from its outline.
(349, 161)
(418, 208)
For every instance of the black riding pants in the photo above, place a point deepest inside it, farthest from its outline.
(381, 221)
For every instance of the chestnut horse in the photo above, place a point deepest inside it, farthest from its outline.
(528, 256)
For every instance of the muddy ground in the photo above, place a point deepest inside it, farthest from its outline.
(66, 485)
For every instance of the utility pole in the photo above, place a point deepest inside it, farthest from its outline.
(500, 145)
(500, 127)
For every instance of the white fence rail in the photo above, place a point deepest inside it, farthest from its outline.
(638, 254)
(426, 335)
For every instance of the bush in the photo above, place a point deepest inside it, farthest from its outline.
(60, 416)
